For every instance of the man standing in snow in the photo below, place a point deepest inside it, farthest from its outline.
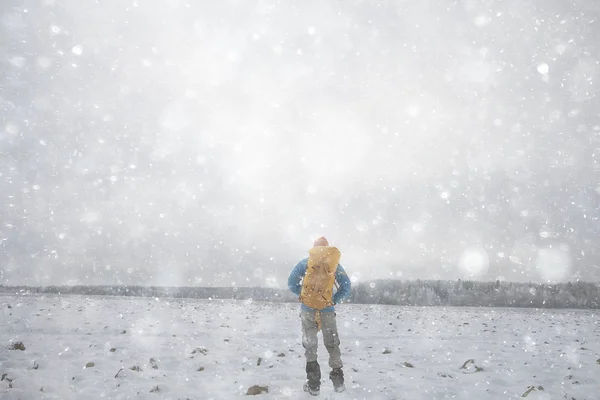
(318, 274)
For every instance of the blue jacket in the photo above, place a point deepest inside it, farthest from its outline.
(340, 276)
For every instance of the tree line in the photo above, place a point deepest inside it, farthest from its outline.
(459, 293)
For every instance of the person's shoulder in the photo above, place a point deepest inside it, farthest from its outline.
(340, 272)
(302, 262)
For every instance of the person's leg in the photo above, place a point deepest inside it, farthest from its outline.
(310, 343)
(331, 339)
(309, 335)
(332, 343)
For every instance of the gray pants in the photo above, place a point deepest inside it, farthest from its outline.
(330, 337)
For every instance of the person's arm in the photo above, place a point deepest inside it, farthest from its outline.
(345, 286)
(296, 276)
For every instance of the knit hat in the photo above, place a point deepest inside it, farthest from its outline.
(321, 242)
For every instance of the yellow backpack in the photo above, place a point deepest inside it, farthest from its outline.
(317, 286)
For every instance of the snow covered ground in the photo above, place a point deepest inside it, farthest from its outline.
(139, 348)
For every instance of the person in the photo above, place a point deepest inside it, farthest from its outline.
(321, 316)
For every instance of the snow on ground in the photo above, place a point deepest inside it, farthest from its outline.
(143, 348)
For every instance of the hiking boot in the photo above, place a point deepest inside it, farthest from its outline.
(313, 378)
(337, 378)
(313, 392)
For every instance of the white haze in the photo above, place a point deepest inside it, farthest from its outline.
(209, 143)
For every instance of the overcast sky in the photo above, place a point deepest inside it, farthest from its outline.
(209, 143)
